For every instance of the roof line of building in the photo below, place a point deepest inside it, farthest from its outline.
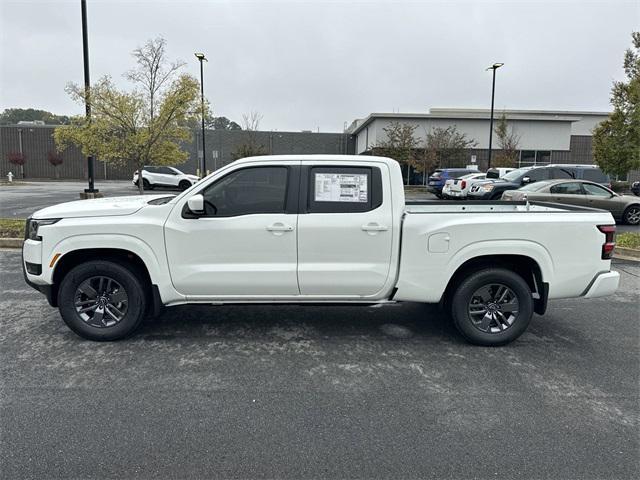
(480, 114)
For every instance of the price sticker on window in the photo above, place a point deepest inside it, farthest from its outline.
(341, 187)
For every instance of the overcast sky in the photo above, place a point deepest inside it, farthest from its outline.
(309, 65)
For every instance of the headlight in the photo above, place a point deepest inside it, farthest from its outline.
(32, 226)
(488, 187)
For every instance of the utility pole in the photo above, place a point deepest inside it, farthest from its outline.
(87, 99)
(202, 58)
(493, 67)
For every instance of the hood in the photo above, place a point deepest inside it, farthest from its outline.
(192, 177)
(97, 207)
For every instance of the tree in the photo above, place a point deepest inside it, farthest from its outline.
(509, 142)
(223, 123)
(56, 160)
(153, 72)
(11, 116)
(400, 144)
(18, 159)
(251, 148)
(616, 141)
(445, 147)
(141, 127)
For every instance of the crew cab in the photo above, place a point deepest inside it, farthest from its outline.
(314, 229)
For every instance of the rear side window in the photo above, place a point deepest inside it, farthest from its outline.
(560, 172)
(247, 191)
(568, 188)
(344, 189)
(594, 175)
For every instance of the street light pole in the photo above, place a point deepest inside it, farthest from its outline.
(87, 86)
(493, 67)
(202, 58)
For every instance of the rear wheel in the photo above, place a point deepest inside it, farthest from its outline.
(102, 300)
(492, 307)
(632, 215)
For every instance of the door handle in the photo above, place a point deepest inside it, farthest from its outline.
(374, 227)
(279, 227)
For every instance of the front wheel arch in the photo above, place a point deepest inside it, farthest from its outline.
(124, 257)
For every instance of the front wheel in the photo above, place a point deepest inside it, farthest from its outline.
(184, 184)
(102, 300)
(632, 215)
(492, 307)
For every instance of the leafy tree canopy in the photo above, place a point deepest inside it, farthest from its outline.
(146, 125)
(11, 116)
(616, 141)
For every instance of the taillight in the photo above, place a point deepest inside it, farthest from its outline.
(463, 184)
(610, 240)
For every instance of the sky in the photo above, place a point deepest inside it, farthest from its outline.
(309, 65)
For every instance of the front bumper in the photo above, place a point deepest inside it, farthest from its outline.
(603, 284)
(48, 291)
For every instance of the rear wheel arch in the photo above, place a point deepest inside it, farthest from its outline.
(526, 267)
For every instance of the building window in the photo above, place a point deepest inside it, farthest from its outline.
(527, 158)
(543, 156)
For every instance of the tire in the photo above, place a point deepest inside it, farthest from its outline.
(184, 184)
(146, 185)
(631, 215)
(82, 289)
(483, 293)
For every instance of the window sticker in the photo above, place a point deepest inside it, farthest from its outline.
(341, 187)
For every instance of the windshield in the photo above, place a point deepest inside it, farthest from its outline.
(478, 176)
(176, 170)
(534, 187)
(515, 174)
(437, 173)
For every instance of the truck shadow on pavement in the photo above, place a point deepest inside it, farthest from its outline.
(295, 322)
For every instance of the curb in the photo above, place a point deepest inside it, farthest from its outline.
(11, 242)
(627, 253)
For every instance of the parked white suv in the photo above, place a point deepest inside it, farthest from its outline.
(312, 229)
(164, 177)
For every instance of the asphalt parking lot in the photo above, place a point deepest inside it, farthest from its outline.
(320, 392)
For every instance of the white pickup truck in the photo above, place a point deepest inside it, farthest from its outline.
(314, 229)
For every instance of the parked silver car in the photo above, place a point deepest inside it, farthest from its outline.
(624, 208)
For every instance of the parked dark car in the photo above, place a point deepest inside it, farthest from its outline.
(635, 188)
(493, 189)
(624, 208)
(438, 178)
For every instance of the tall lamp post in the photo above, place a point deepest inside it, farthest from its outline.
(493, 67)
(87, 85)
(202, 58)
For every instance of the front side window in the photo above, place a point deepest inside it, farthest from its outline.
(596, 190)
(247, 191)
(568, 188)
(537, 174)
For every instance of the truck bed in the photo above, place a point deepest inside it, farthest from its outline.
(490, 206)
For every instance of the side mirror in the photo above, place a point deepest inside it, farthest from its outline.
(526, 180)
(196, 204)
